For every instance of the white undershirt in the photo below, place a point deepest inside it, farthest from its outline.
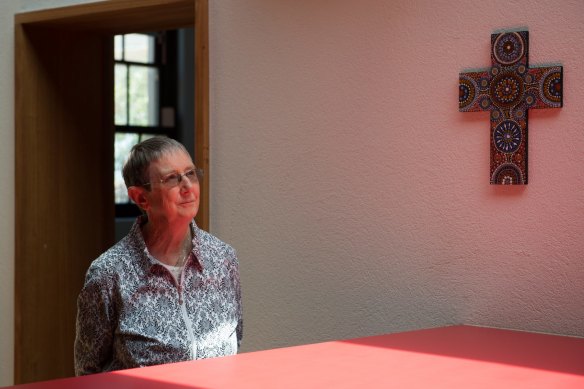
(174, 270)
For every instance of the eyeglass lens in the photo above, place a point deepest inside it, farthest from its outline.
(176, 178)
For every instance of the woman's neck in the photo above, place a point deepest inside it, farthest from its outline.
(170, 244)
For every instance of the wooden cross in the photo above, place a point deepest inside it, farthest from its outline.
(508, 90)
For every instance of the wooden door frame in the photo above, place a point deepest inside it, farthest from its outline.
(99, 20)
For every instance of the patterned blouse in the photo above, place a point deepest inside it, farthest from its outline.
(132, 312)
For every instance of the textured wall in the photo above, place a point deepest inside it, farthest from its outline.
(6, 192)
(358, 196)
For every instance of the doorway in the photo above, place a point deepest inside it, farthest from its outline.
(64, 159)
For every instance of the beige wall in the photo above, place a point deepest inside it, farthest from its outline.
(7, 10)
(356, 194)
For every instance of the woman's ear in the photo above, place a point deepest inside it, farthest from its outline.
(138, 196)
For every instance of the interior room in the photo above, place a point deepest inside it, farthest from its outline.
(340, 168)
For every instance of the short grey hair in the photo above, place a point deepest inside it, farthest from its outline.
(136, 168)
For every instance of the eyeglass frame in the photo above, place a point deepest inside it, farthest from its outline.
(199, 173)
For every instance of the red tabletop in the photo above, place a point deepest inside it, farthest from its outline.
(449, 357)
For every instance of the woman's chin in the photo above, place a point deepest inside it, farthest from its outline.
(189, 210)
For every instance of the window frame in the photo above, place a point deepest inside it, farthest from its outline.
(165, 60)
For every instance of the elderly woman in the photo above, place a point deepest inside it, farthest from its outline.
(168, 291)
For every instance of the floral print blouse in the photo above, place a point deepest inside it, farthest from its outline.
(132, 312)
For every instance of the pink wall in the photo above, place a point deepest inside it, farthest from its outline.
(358, 196)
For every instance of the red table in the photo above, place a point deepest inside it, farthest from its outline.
(450, 357)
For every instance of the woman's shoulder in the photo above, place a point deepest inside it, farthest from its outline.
(114, 260)
(209, 240)
(214, 247)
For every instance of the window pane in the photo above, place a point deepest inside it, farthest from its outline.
(119, 47)
(139, 48)
(143, 96)
(123, 145)
(120, 93)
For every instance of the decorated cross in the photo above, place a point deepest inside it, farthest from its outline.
(508, 90)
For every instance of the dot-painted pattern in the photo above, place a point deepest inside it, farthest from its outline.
(509, 89)
(507, 136)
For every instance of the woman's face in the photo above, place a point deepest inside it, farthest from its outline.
(168, 202)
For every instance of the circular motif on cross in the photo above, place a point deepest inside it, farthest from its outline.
(507, 174)
(494, 70)
(508, 48)
(530, 99)
(485, 102)
(519, 113)
(551, 87)
(507, 90)
(522, 69)
(467, 92)
(507, 136)
(495, 115)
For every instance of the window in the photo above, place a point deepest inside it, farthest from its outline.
(144, 99)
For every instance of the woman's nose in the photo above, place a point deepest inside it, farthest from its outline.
(185, 182)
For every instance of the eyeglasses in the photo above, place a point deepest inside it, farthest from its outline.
(174, 179)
